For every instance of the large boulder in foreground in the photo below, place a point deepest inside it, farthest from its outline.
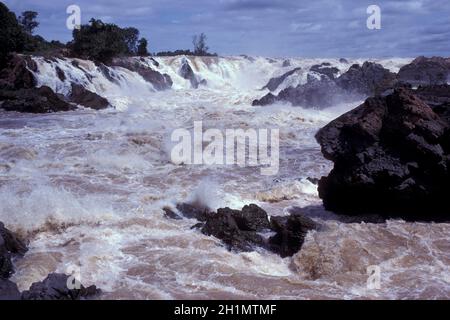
(250, 228)
(426, 71)
(59, 287)
(10, 245)
(391, 157)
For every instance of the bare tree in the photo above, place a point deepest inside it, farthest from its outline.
(199, 42)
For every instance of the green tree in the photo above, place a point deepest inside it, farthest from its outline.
(142, 47)
(12, 37)
(99, 41)
(28, 21)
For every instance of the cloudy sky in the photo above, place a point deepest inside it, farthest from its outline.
(317, 28)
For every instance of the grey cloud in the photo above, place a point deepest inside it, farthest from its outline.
(322, 28)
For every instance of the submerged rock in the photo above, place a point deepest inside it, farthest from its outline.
(391, 157)
(56, 287)
(86, 98)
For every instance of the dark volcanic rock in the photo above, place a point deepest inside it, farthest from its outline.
(86, 98)
(437, 97)
(243, 230)
(238, 229)
(18, 73)
(343, 60)
(273, 83)
(268, 99)
(9, 290)
(426, 71)
(9, 245)
(158, 80)
(56, 287)
(391, 157)
(194, 211)
(325, 69)
(367, 80)
(169, 213)
(357, 83)
(290, 233)
(33, 100)
(61, 75)
(314, 94)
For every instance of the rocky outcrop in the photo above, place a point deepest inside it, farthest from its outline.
(274, 83)
(391, 157)
(187, 73)
(325, 69)
(33, 100)
(367, 80)
(158, 80)
(56, 287)
(18, 74)
(86, 98)
(247, 229)
(236, 229)
(438, 98)
(326, 90)
(18, 90)
(10, 245)
(426, 71)
(316, 93)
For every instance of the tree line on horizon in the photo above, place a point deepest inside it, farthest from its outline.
(97, 40)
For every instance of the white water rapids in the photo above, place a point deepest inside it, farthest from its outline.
(87, 188)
